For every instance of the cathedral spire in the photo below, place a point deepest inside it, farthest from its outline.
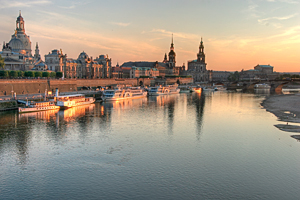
(201, 55)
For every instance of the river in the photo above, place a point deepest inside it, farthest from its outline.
(218, 145)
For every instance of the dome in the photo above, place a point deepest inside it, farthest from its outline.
(16, 45)
(83, 55)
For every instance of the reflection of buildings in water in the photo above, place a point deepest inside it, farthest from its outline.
(197, 100)
(14, 136)
(170, 106)
(262, 91)
(163, 100)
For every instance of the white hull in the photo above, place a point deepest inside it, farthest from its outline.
(37, 109)
(157, 91)
(124, 94)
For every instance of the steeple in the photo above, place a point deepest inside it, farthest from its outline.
(172, 55)
(201, 55)
(165, 58)
(37, 55)
(20, 23)
(172, 44)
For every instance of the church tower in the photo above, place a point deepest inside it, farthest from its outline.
(20, 24)
(172, 55)
(201, 55)
(37, 55)
(165, 59)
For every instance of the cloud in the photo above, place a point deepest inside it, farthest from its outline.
(176, 35)
(11, 4)
(120, 24)
(268, 21)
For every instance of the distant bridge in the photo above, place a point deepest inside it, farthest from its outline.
(276, 86)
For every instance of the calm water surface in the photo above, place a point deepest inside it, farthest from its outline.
(217, 145)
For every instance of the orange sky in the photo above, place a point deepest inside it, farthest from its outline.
(236, 34)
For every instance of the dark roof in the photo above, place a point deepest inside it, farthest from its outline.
(144, 64)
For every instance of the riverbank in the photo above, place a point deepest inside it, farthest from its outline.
(286, 108)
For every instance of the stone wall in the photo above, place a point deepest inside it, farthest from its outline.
(35, 86)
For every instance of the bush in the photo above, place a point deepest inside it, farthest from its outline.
(13, 74)
(21, 73)
(52, 74)
(38, 74)
(59, 74)
(29, 74)
(4, 74)
(46, 74)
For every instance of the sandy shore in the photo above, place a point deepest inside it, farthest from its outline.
(286, 108)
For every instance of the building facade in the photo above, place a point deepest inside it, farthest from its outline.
(17, 52)
(197, 68)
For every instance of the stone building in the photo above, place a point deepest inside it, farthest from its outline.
(55, 60)
(17, 53)
(260, 72)
(220, 76)
(197, 68)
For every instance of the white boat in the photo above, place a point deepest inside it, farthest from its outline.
(124, 93)
(38, 106)
(210, 88)
(69, 101)
(159, 90)
(185, 89)
(263, 86)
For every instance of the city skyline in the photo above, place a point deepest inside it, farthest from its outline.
(236, 34)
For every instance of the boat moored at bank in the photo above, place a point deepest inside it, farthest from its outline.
(34, 106)
(163, 90)
(123, 93)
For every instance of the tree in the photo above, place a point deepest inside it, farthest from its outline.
(13, 74)
(59, 74)
(38, 74)
(4, 74)
(29, 74)
(234, 76)
(1, 62)
(46, 74)
(21, 73)
(52, 74)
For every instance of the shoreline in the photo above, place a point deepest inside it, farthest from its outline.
(287, 109)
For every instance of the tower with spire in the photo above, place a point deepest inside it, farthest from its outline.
(37, 55)
(201, 55)
(197, 68)
(172, 55)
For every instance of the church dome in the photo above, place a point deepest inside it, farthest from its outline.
(16, 45)
(83, 55)
(20, 18)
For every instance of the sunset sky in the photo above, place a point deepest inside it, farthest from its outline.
(237, 34)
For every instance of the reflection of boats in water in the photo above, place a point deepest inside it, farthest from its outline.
(197, 89)
(261, 86)
(33, 106)
(124, 93)
(160, 90)
(75, 111)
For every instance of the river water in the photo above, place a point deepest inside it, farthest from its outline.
(220, 145)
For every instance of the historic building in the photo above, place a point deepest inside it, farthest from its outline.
(17, 53)
(260, 72)
(197, 68)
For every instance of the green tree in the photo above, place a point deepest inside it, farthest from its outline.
(46, 74)
(4, 74)
(38, 74)
(29, 74)
(234, 76)
(21, 73)
(13, 74)
(59, 74)
(52, 74)
(1, 62)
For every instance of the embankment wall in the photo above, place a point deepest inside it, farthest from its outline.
(35, 86)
